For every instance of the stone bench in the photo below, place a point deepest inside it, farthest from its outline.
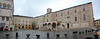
(7, 35)
(38, 36)
(27, 35)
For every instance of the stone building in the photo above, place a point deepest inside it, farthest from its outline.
(97, 23)
(6, 14)
(22, 22)
(37, 22)
(79, 16)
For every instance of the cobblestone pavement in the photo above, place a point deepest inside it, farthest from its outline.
(43, 34)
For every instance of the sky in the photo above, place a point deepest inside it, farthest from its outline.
(35, 8)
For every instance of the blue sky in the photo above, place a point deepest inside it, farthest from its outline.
(35, 8)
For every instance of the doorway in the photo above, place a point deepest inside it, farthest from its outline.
(53, 25)
(22, 27)
(11, 28)
(67, 25)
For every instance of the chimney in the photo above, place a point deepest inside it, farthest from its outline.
(49, 10)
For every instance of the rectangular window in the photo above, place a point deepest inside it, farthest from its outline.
(68, 18)
(47, 20)
(4, 6)
(19, 24)
(61, 14)
(3, 18)
(84, 18)
(56, 19)
(7, 18)
(47, 15)
(56, 15)
(15, 24)
(8, 6)
(83, 9)
(75, 18)
(67, 12)
(0, 5)
(75, 11)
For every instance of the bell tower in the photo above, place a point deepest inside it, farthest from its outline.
(49, 10)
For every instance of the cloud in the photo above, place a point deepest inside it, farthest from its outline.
(60, 4)
(39, 7)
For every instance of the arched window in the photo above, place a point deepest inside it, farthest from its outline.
(84, 18)
(8, 6)
(0, 5)
(6, 26)
(75, 18)
(4, 5)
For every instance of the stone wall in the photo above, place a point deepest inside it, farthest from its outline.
(22, 22)
(5, 12)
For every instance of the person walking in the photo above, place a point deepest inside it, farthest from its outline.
(96, 34)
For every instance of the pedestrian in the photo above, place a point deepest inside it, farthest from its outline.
(99, 34)
(96, 34)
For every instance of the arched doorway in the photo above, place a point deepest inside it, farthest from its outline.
(53, 25)
(45, 24)
(67, 25)
(22, 27)
(11, 28)
(49, 26)
(49, 23)
(58, 23)
(18, 27)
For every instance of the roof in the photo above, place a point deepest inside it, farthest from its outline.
(74, 6)
(98, 20)
(38, 16)
(22, 16)
(52, 12)
(70, 7)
